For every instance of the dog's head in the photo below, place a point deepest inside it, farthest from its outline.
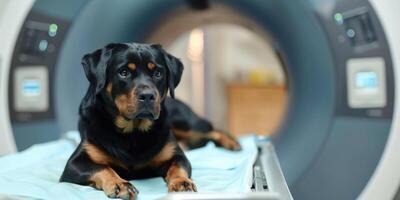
(132, 79)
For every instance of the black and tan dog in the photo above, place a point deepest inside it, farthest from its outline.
(127, 124)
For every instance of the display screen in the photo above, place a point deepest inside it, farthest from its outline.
(31, 87)
(367, 80)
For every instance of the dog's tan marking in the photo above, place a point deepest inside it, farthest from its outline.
(109, 88)
(151, 66)
(180, 134)
(144, 125)
(126, 103)
(164, 95)
(132, 66)
(225, 140)
(193, 137)
(190, 135)
(121, 101)
(175, 171)
(112, 184)
(104, 176)
(100, 157)
(125, 125)
(178, 179)
(165, 154)
(157, 103)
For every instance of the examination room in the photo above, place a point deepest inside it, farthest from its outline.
(200, 99)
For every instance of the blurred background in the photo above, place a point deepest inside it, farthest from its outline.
(233, 77)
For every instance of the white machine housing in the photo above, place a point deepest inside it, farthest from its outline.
(385, 180)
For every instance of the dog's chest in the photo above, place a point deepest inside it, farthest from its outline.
(139, 153)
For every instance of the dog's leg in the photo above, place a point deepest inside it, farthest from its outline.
(177, 173)
(224, 139)
(197, 138)
(114, 186)
(81, 169)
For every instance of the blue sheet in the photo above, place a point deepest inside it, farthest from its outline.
(34, 173)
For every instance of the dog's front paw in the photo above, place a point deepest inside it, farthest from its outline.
(122, 190)
(181, 184)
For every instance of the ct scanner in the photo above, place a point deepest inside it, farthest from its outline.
(340, 139)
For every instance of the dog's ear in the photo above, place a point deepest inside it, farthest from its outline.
(174, 69)
(95, 66)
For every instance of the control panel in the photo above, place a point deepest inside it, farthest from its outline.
(32, 68)
(359, 29)
(364, 70)
(38, 38)
(31, 89)
(366, 83)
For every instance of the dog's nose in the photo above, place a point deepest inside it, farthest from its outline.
(147, 96)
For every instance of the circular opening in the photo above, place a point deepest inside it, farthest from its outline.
(297, 35)
(233, 77)
(233, 73)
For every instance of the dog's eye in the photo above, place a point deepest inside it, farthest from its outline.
(124, 73)
(157, 74)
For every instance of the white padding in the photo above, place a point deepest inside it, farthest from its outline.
(386, 178)
(13, 15)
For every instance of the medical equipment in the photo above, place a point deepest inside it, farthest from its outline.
(339, 138)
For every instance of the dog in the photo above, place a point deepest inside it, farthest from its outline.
(128, 125)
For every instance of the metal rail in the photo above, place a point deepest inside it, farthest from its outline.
(268, 180)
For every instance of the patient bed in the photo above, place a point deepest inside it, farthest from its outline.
(253, 173)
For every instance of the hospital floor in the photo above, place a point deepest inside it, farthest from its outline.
(34, 173)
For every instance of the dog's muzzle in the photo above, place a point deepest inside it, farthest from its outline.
(147, 105)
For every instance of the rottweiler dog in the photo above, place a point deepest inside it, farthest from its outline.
(128, 124)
